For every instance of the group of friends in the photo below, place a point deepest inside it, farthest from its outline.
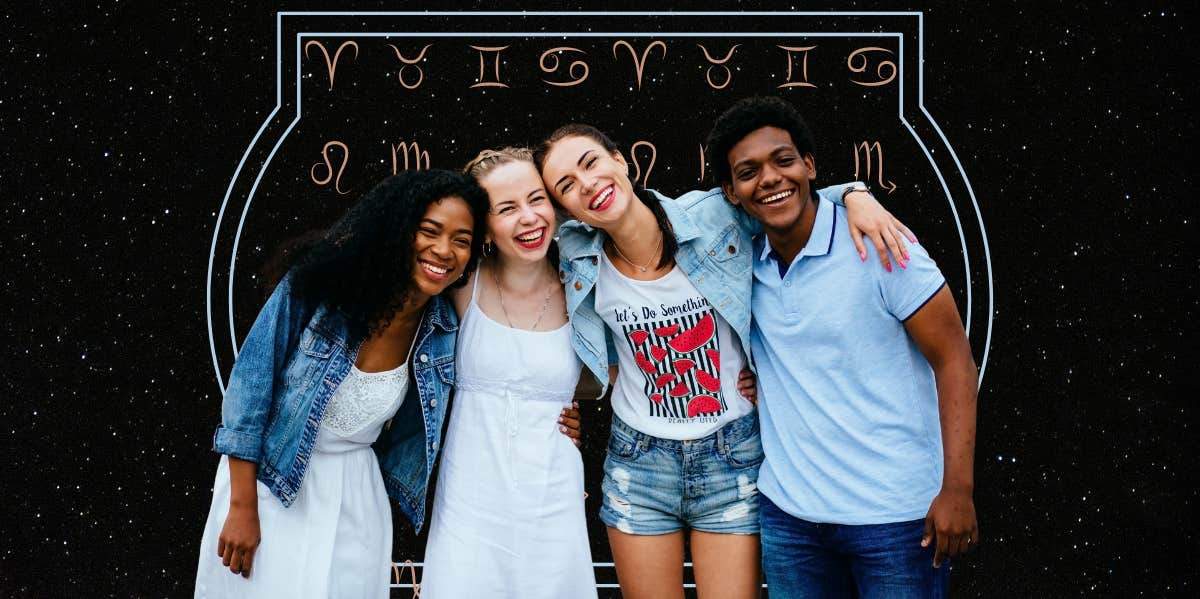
(782, 405)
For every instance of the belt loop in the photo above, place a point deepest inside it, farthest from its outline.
(721, 440)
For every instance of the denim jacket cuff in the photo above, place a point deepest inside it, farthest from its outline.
(238, 444)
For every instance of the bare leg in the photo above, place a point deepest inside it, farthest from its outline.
(726, 565)
(649, 566)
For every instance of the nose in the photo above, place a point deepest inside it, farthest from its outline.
(587, 185)
(527, 214)
(441, 248)
(770, 177)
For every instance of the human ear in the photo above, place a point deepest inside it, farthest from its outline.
(728, 189)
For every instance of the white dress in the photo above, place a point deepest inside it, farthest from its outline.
(508, 515)
(336, 538)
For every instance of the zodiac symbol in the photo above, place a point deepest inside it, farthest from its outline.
(804, 71)
(411, 568)
(405, 149)
(411, 63)
(865, 147)
(497, 50)
(718, 63)
(553, 53)
(331, 65)
(862, 53)
(337, 181)
(703, 163)
(639, 64)
(633, 156)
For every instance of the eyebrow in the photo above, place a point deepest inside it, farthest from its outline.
(582, 157)
(535, 192)
(777, 150)
(440, 226)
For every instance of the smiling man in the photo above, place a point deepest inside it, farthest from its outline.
(866, 381)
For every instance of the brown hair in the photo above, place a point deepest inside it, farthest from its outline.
(670, 245)
(489, 160)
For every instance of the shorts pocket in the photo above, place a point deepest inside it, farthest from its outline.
(744, 453)
(623, 446)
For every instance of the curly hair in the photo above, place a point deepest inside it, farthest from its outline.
(742, 119)
(363, 265)
(670, 244)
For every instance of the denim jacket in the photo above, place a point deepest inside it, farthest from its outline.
(294, 358)
(715, 252)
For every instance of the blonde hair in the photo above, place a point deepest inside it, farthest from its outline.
(488, 160)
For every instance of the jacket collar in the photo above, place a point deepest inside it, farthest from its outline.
(439, 313)
(588, 241)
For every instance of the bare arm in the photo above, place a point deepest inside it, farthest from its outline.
(938, 332)
(240, 536)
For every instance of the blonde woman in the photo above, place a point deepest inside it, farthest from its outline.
(508, 517)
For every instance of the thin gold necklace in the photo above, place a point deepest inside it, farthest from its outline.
(642, 267)
(500, 292)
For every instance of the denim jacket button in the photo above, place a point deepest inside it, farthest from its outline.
(433, 403)
(433, 445)
(712, 252)
(732, 250)
(562, 276)
(595, 260)
(424, 358)
(578, 285)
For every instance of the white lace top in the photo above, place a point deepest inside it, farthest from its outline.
(360, 407)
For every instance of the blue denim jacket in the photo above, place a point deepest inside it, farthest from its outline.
(294, 358)
(715, 252)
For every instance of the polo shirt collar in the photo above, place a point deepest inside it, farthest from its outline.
(820, 242)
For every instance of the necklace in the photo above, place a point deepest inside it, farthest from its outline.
(500, 292)
(641, 267)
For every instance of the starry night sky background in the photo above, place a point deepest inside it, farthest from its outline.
(124, 124)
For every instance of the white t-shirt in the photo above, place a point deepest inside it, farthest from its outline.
(679, 360)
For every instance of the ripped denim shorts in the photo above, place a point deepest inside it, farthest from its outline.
(655, 486)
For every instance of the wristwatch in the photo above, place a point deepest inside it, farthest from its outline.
(855, 187)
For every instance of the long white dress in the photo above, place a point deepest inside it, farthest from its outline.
(508, 515)
(336, 538)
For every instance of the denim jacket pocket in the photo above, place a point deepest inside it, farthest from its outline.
(316, 344)
(728, 245)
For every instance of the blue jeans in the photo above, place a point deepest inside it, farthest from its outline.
(875, 561)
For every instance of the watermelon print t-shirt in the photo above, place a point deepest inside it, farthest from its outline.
(679, 360)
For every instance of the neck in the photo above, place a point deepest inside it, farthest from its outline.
(520, 275)
(637, 234)
(789, 241)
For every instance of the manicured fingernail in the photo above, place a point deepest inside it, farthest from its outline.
(888, 266)
(906, 256)
(562, 429)
(903, 265)
(863, 256)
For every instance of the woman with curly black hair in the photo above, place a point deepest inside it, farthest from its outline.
(353, 351)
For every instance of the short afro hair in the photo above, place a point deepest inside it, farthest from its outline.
(747, 116)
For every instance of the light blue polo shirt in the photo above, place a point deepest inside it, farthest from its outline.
(848, 403)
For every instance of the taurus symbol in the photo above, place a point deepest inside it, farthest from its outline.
(718, 63)
(411, 62)
(331, 64)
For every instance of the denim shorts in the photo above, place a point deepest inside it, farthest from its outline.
(655, 486)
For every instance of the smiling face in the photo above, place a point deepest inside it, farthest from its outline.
(442, 246)
(771, 179)
(590, 182)
(521, 219)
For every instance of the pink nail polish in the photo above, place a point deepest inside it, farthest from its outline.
(863, 255)
(903, 265)
(888, 266)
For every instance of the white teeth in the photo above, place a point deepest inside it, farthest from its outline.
(534, 236)
(601, 199)
(776, 197)
(435, 269)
